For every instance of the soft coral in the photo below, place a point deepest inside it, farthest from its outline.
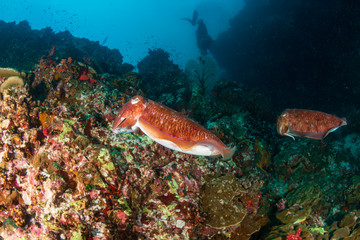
(295, 236)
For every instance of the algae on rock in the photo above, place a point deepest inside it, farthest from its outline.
(219, 203)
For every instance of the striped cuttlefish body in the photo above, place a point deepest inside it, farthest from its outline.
(307, 123)
(169, 128)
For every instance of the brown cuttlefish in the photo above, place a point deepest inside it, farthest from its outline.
(307, 123)
(169, 128)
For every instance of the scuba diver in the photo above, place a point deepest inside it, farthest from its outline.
(203, 39)
(192, 21)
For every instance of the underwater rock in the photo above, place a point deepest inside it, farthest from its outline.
(353, 193)
(352, 144)
(19, 215)
(219, 203)
(42, 161)
(301, 202)
(81, 142)
(232, 96)
(293, 162)
(10, 198)
(355, 234)
(279, 232)
(348, 221)
(341, 233)
(249, 226)
(101, 163)
(293, 215)
(61, 79)
(90, 176)
(23, 52)
(128, 83)
(163, 81)
(305, 196)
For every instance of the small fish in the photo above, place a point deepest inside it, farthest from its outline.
(104, 41)
(52, 51)
(169, 128)
(307, 123)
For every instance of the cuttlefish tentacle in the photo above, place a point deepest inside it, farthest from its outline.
(169, 128)
(290, 135)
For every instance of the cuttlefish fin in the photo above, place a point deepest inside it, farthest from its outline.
(227, 153)
(214, 148)
(332, 130)
(205, 148)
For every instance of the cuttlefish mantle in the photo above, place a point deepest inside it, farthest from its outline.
(169, 128)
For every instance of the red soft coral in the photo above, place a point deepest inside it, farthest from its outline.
(295, 236)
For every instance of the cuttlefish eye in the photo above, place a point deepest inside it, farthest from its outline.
(134, 101)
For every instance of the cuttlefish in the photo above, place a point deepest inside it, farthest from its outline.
(307, 123)
(169, 128)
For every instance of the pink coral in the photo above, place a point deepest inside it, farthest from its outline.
(281, 205)
(122, 216)
(295, 236)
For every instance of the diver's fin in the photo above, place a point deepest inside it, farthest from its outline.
(193, 21)
(188, 19)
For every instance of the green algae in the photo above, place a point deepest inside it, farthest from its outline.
(67, 127)
(320, 230)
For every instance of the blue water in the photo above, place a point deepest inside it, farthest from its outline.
(130, 26)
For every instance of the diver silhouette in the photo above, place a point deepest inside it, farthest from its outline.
(203, 39)
(193, 21)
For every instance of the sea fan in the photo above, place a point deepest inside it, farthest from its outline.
(203, 71)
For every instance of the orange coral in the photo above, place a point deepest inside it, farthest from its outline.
(46, 119)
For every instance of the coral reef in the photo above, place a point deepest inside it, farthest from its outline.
(219, 201)
(21, 47)
(163, 81)
(65, 175)
(226, 203)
